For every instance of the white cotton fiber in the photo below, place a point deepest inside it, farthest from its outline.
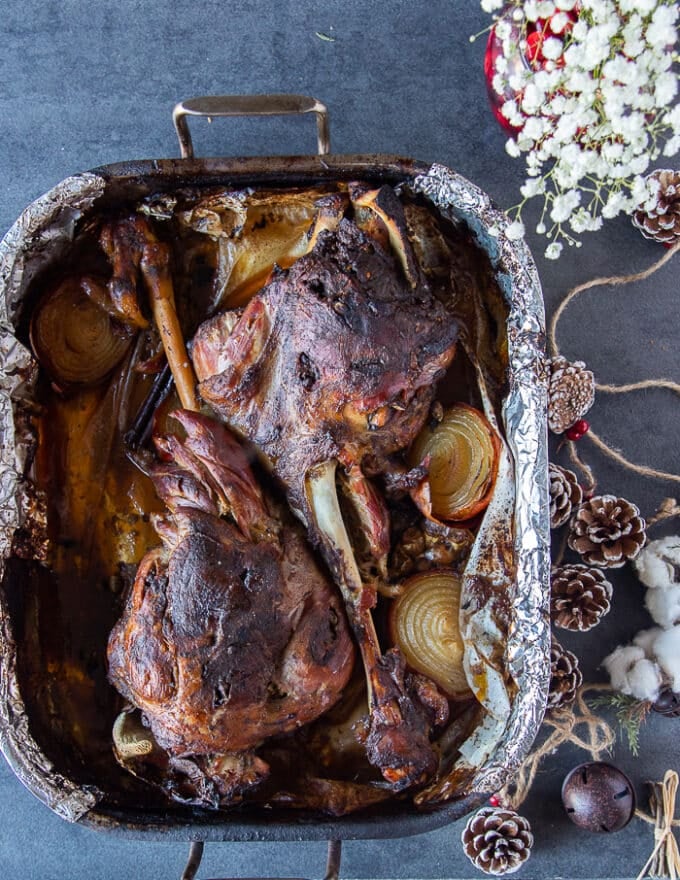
(644, 679)
(632, 673)
(667, 654)
(658, 564)
(664, 605)
(645, 639)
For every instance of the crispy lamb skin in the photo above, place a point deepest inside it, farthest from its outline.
(231, 633)
(338, 354)
(336, 360)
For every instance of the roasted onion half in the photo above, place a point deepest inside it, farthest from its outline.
(461, 453)
(75, 339)
(424, 626)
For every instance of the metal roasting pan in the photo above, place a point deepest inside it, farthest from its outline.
(40, 236)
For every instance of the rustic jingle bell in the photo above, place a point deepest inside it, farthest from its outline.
(667, 703)
(598, 797)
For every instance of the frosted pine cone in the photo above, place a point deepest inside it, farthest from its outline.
(565, 676)
(607, 531)
(579, 597)
(571, 393)
(497, 841)
(662, 222)
(565, 494)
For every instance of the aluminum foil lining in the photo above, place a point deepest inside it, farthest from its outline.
(45, 230)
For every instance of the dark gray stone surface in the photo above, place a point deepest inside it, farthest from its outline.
(84, 84)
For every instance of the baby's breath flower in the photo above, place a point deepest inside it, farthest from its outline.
(515, 231)
(558, 22)
(552, 48)
(511, 148)
(563, 205)
(597, 106)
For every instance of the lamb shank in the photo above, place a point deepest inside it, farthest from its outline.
(335, 362)
(231, 633)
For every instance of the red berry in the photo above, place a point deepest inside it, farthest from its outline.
(494, 800)
(578, 429)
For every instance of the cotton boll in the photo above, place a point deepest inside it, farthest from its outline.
(658, 563)
(632, 673)
(664, 605)
(667, 653)
(645, 639)
(645, 679)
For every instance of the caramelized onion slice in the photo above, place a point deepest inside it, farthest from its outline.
(73, 338)
(424, 626)
(461, 453)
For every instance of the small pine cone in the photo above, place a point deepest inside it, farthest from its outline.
(607, 531)
(565, 494)
(579, 597)
(497, 841)
(565, 676)
(661, 222)
(571, 393)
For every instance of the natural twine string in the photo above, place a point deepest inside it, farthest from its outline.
(575, 724)
(615, 281)
(665, 858)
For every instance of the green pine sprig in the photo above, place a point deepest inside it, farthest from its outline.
(630, 715)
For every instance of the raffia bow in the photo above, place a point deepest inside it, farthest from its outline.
(665, 858)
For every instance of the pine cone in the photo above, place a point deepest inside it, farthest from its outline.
(607, 531)
(497, 841)
(565, 676)
(662, 222)
(565, 494)
(579, 597)
(571, 393)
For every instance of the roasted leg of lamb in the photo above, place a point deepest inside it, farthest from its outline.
(231, 633)
(335, 361)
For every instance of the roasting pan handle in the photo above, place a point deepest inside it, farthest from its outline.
(249, 105)
(332, 864)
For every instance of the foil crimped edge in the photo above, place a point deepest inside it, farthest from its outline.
(41, 233)
(524, 419)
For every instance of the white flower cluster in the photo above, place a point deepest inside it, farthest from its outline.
(653, 660)
(591, 93)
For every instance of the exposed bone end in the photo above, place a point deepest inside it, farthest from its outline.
(131, 739)
(399, 739)
(155, 267)
(330, 210)
(386, 205)
(122, 241)
(398, 742)
(234, 774)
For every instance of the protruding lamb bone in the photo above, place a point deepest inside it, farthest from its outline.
(330, 210)
(155, 266)
(398, 741)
